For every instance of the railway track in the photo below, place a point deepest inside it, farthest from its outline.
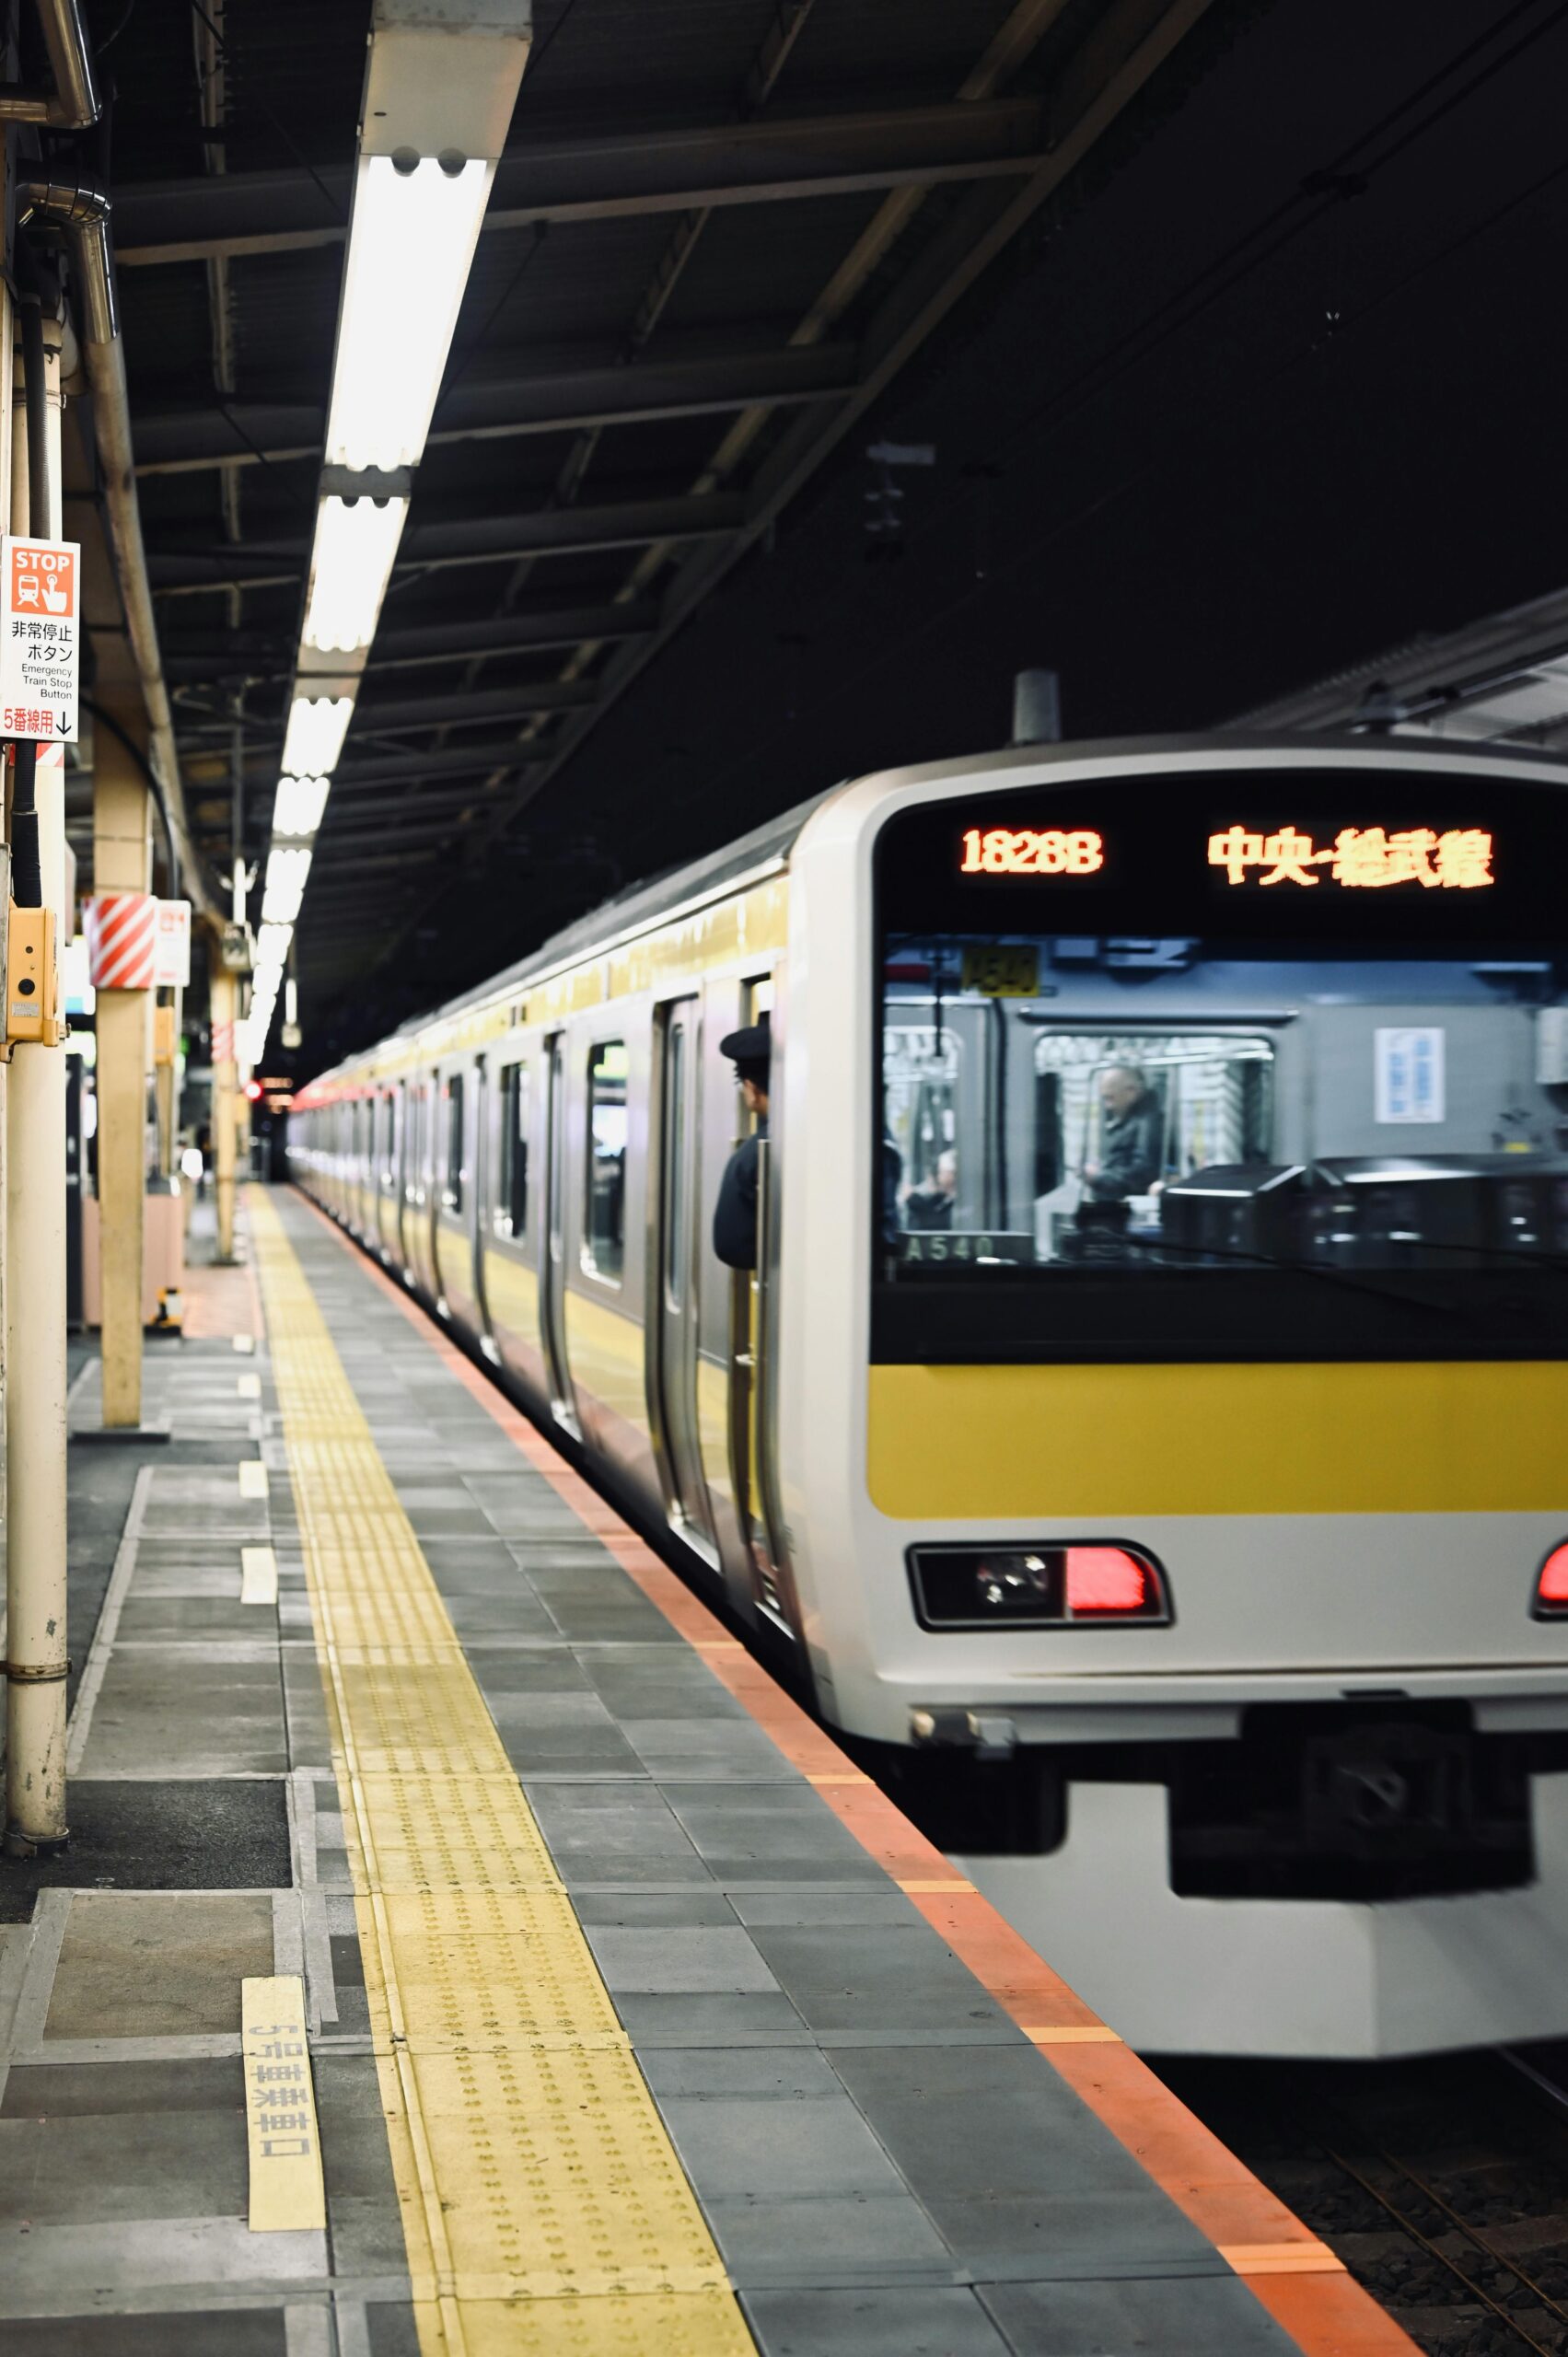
(1442, 2183)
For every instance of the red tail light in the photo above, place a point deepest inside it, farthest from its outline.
(1051, 1583)
(1551, 1584)
(1108, 1580)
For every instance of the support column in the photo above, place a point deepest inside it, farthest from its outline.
(121, 863)
(225, 1092)
(35, 1317)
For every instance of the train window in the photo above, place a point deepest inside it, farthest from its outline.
(511, 1212)
(1135, 1107)
(604, 1211)
(452, 1192)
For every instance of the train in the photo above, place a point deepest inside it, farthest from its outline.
(1145, 1430)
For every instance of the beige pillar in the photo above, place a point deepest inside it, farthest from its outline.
(35, 1337)
(121, 863)
(225, 1089)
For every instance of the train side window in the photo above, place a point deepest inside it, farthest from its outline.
(452, 1192)
(512, 1190)
(604, 1215)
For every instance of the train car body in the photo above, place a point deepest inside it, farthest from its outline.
(1147, 1415)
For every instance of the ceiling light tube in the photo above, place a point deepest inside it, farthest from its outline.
(411, 242)
(298, 805)
(317, 726)
(271, 946)
(287, 873)
(357, 542)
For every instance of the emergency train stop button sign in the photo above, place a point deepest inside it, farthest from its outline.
(39, 639)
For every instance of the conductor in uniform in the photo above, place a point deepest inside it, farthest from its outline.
(735, 1213)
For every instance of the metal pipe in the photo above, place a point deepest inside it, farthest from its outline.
(26, 877)
(73, 104)
(83, 213)
(77, 100)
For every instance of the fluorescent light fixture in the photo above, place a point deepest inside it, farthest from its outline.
(271, 946)
(287, 873)
(317, 726)
(411, 243)
(291, 1001)
(356, 541)
(298, 805)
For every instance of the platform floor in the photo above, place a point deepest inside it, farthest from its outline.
(633, 2019)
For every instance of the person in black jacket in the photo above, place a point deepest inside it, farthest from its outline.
(1132, 1137)
(735, 1213)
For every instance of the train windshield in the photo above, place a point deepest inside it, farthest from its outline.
(1266, 1063)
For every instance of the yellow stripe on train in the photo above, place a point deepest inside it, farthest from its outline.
(1376, 1437)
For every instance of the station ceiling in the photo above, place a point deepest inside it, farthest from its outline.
(733, 247)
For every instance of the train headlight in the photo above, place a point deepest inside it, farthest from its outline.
(1551, 1586)
(1055, 1583)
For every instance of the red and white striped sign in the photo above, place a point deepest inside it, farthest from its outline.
(223, 1043)
(121, 940)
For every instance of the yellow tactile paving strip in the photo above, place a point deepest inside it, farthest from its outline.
(543, 2205)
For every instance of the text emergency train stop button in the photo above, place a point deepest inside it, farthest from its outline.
(39, 639)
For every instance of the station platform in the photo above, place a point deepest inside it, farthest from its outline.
(464, 1946)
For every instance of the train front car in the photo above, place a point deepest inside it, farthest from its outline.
(1184, 1468)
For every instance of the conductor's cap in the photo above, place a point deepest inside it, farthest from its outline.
(753, 1045)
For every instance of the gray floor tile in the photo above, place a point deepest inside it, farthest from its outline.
(767, 2147)
(136, 2254)
(91, 2169)
(773, 1833)
(1167, 2316)
(621, 1821)
(965, 2121)
(899, 1977)
(931, 2322)
(792, 2073)
(60, 2090)
(707, 1747)
(212, 1717)
(644, 1961)
(147, 1618)
(871, 1907)
(514, 1614)
(708, 2021)
(530, 1671)
(175, 2332)
(392, 2329)
(699, 1903)
(824, 2235)
(157, 1964)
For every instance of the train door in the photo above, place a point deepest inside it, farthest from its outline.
(752, 1372)
(387, 1117)
(553, 1259)
(672, 1292)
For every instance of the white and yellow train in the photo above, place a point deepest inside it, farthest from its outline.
(1149, 1416)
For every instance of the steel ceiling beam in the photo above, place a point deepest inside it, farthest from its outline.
(198, 657)
(451, 760)
(603, 177)
(479, 540)
(248, 434)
